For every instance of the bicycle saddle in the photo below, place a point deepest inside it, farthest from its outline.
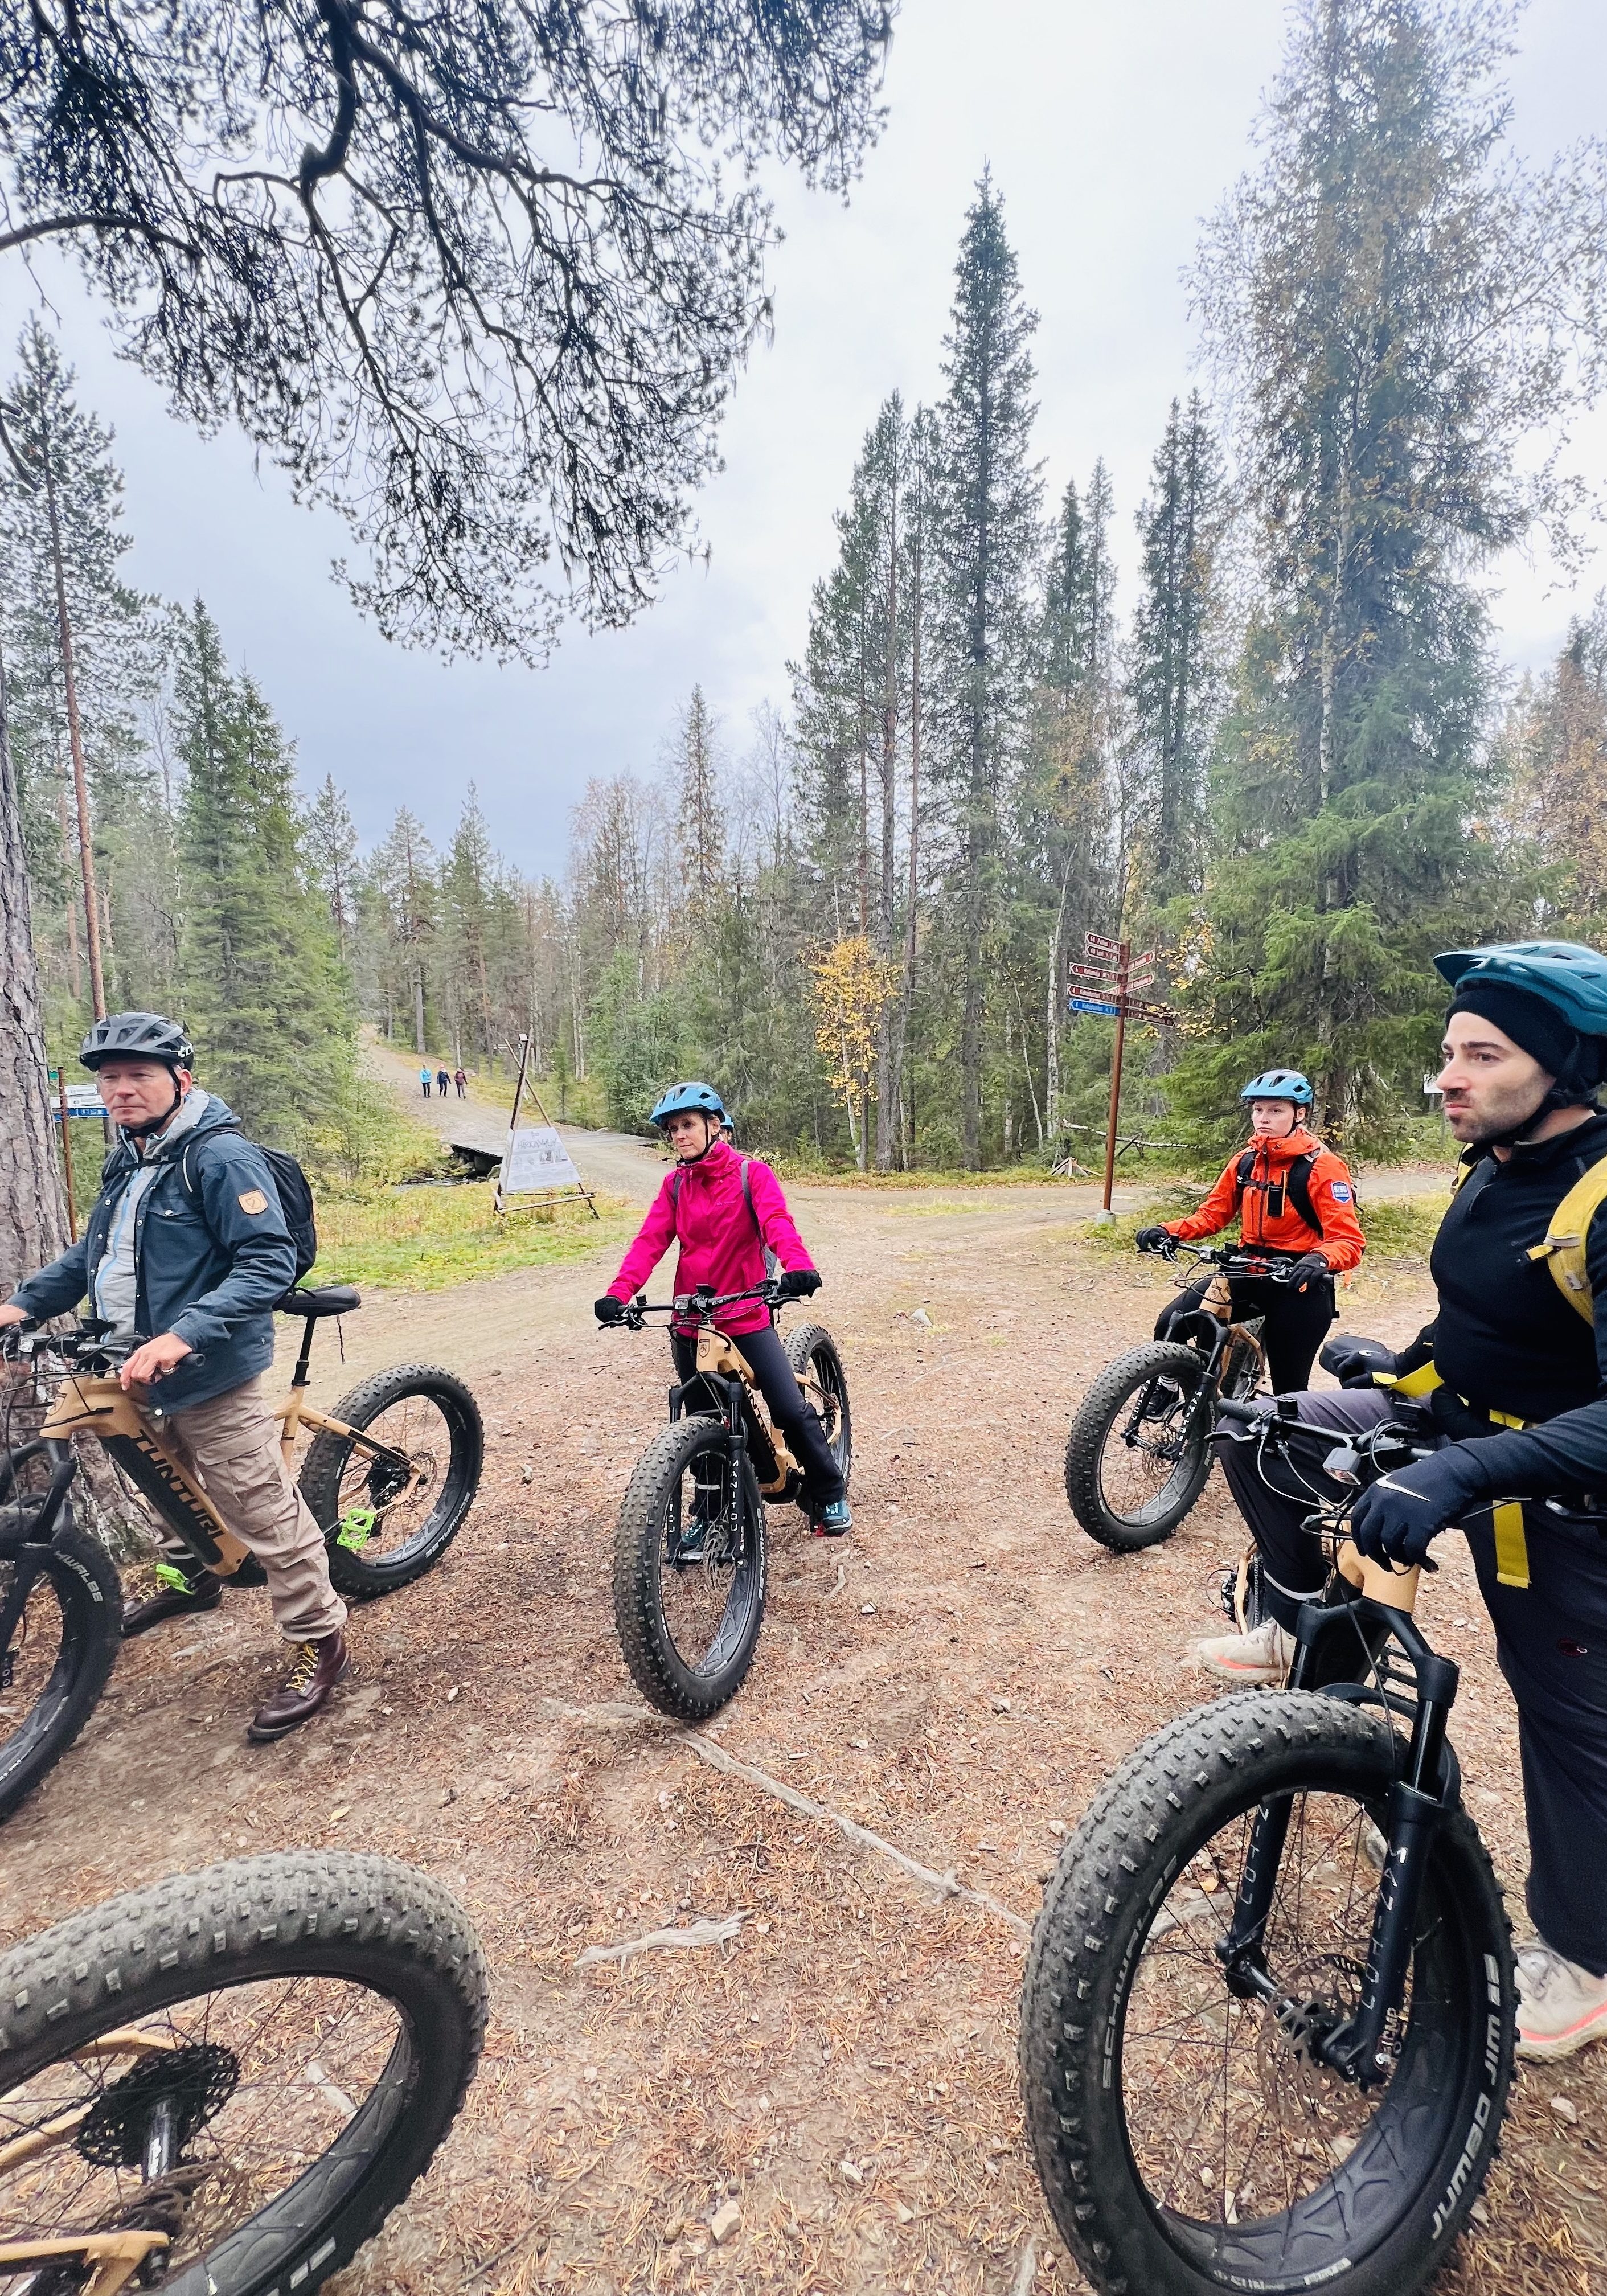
(321, 1299)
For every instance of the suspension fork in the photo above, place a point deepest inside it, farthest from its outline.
(29, 1553)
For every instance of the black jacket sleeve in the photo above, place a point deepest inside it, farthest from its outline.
(1568, 1453)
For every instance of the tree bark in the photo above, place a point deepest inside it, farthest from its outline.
(75, 735)
(33, 1208)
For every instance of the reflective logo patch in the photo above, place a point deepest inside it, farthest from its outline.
(253, 1201)
(1340, 1192)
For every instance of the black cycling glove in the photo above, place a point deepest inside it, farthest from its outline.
(1309, 1265)
(1158, 1239)
(797, 1282)
(1356, 1366)
(1394, 1520)
(607, 1310)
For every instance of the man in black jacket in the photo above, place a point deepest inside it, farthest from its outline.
(1514, 1374)
(186, 1250)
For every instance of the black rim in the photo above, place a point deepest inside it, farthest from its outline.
(1148, 1456)
(707, 1561)
(38, 1672)
(267, 2101)
(824, 1375)
(1260, 2166)
(386, 1515)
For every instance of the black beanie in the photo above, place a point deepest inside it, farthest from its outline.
(1537, 1027)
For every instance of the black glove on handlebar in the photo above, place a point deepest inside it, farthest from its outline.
(1158, 1240)
(607, 1310)
(798, 1283)
(1312, 1264)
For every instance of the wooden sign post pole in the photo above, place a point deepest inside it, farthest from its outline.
(524, 1056)
(1105, 1213)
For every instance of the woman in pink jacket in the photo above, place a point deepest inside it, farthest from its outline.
(724, 1210)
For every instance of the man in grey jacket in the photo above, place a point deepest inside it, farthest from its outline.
(186, 1250)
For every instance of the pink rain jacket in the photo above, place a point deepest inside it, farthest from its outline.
(720, 1245)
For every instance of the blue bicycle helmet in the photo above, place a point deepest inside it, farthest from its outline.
(701, 1099)
(1279, 1084)
(1562, 972)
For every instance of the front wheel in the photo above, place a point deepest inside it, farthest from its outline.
(1191, 2141)
(61, 1650)
(689, 1569)
(239, 2073)
(1138, 1454)
(386, 1519)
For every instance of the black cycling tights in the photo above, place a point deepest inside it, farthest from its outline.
(1297, 1321)
(798, 1419)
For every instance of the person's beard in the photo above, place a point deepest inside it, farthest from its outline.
(1499, 1113)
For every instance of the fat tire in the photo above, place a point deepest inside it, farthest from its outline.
(91, 1594)
(369, 1919)
(1163, 1803)
(656, 1666)
(361, 1578)
(1112, 1392)
(802, 1346)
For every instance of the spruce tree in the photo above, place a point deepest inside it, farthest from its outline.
(987, 552)
(700, 817)
(332, 859)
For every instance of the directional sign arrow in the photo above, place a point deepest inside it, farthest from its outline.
(1091, 1004)
(1092, 941)
(1092, 971)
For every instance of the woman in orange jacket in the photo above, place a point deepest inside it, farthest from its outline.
(1295, 1202)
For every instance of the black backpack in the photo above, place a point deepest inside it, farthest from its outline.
(291, 1186)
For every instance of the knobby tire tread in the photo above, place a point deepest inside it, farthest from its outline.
(1112, 1391)
(330, 1911)
(97, 1608)
(320, 1478)
(638, 1541)
(1150, 1810)
(801, 1346)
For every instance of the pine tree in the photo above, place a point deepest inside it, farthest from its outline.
(332, 859)
(1172, 687)
(987, 549)
(263, 989)
(1554, 744)
(699, 820)
(1393, 306)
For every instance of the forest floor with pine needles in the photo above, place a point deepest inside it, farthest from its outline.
(956, 1676)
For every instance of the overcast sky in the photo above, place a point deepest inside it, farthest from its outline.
(1111, 132)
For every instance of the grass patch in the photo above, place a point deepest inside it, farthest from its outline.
(1400, 1232)
(427, 1239)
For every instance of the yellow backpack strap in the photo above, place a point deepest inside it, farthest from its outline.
(1567, 1236)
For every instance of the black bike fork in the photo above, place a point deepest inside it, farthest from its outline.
(29, 1554)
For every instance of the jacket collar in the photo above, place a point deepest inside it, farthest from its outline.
(1588, 1140)
(715, 1158)
(1297, 1142)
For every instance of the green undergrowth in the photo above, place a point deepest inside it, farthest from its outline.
(1400, 1230)
(426, 1239)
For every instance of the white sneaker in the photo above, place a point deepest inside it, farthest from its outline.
(1265, 1655)
(1561, 2007)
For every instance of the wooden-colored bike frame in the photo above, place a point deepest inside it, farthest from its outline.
(112, 2259)
(721, 1359)
(135, 1438)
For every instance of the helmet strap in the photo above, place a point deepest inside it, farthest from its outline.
(156, 1123)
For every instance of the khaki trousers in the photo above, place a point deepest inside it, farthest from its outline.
(231, 1445)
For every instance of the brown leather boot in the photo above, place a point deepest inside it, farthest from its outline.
(204, 1592)
(307, 1690)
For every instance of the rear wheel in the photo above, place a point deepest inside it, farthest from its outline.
(1191, 2141)
(61, 1654)
(387, 1520)
(255, 2061)
(812, 1352)
(689, 1569)
(1136, 1462)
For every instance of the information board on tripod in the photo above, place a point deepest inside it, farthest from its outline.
(537, 1167)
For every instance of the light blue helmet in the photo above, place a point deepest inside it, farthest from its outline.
(1279, 1084)
(701, 1099)
(1564, 973)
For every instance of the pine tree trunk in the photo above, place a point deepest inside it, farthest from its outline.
(886, 1121)
(33, 1211)
(75, 734)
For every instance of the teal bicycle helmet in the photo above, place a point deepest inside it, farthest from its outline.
(1562, 972)
(1280, 1084)
(701, 1099)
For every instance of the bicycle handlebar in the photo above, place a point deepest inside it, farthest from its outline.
(89, 1344)
(1231, 1259)
(702, 1303)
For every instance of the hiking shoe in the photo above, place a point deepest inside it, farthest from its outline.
(307, 1690)
(178, 1598)
(1561, 2007)
(1263, 1656)
(832, 1521)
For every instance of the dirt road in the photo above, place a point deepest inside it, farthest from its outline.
(957, 1676)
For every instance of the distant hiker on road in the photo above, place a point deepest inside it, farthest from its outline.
(426, 1078)
(442, 1081)
(461, 1082)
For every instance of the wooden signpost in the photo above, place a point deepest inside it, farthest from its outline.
(1117, 980)
(536, 1165)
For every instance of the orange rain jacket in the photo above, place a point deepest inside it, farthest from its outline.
(1266, 1209)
